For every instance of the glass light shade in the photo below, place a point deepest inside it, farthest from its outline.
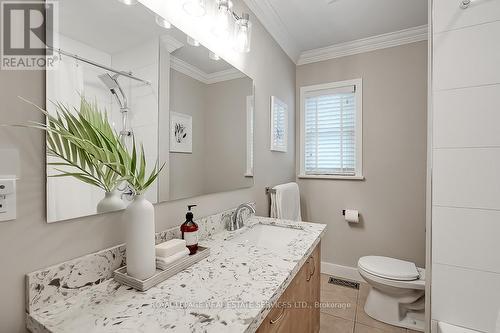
(162, 22)
(129, 2)
(243, 34)
(213, 56)
(191, 41)
(223, 18)
(195, 8)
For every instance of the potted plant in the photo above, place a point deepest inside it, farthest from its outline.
(86, 143)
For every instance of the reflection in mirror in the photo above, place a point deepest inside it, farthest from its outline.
(188, 107)
(211, 121)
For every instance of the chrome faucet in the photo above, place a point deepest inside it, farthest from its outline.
(236, 221)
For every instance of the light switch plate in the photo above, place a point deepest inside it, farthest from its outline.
(8, 209)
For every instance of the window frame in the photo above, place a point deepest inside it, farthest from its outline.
(358, 83)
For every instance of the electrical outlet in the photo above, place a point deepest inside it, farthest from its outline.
(3, 205)
(7, 199)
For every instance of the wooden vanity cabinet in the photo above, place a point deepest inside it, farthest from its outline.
(297, 309)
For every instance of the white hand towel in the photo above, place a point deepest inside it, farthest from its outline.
(274, 209)
(168, 261)
(171, 247)
(287, 202)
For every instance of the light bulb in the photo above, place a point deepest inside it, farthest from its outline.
(242, 34)
(195, 7)
(129, 2)
(223, 17)
(162, 22)
(241, 39)
(191, 41)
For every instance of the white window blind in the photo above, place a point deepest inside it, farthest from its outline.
(330, 132)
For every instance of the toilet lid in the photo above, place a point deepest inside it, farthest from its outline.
(389, 268)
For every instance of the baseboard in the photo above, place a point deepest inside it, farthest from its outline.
(344, 272)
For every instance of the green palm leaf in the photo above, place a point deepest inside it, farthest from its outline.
(91, 150)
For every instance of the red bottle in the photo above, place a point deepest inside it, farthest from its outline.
(189, 231)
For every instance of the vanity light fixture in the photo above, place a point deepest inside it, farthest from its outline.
(191, 41)
(162, 22)
(243, 33)
(223, 23)
(195, 8)
(129, 2)
(213, 56)
(223, 18)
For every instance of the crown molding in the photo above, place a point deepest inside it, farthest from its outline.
(267, 15)
(383, 41)
(207, 78)
(170, 43)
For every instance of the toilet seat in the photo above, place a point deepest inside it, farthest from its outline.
(389, 268)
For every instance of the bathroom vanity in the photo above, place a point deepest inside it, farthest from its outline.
(297, 309)
(247, 284)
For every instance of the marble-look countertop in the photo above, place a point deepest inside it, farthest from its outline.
(230, 291)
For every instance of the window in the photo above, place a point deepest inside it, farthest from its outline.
(331, 130)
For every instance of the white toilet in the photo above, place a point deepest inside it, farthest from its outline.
(397, 293)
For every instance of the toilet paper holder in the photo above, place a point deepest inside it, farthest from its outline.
(343, 212)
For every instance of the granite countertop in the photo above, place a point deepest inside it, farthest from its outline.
(230, 291)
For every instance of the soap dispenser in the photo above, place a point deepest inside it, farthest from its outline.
(189, 230)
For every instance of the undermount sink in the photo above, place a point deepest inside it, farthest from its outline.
(268, 236)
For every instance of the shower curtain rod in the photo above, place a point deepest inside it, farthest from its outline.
(93, 63)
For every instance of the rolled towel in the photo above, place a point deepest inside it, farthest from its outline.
(162, 263)
(169, 248)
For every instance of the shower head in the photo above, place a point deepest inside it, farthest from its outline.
(112, 84)
(109, 81)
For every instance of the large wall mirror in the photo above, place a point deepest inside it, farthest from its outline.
(188, 107)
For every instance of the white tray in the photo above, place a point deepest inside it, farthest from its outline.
(162, 273)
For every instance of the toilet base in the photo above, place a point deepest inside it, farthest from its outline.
(402, 310)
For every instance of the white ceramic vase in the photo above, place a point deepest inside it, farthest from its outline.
(139, 220)
(111, 202)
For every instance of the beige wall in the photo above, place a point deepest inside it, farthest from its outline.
(29, 243)
(226, 135)
(187, 96)
(392, 198)
(218, 160)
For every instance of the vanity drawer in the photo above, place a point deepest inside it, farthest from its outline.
(278, 320)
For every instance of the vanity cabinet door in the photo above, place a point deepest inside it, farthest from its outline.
(296, 311)
(314, 289)
(301, 320)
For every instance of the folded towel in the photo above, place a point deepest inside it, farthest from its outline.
(285, 203)
(163, 262)
(169, 248)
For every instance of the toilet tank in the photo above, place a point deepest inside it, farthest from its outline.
(447, 328)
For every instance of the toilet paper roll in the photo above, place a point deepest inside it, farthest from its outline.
(352, 216)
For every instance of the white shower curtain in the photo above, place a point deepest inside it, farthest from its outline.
(65, 83)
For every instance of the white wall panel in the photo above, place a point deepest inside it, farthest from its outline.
(467, 57)
(467, 178)
(465, 297)
(466, 238)
(467, 117)
(448, 15)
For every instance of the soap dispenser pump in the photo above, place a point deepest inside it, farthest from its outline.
(189, 230)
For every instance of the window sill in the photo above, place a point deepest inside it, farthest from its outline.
(333, 177)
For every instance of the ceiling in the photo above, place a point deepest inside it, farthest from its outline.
(299, 26)
(303, 25)
(112, 27)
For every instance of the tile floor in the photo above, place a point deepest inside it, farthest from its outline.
(350, 317)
